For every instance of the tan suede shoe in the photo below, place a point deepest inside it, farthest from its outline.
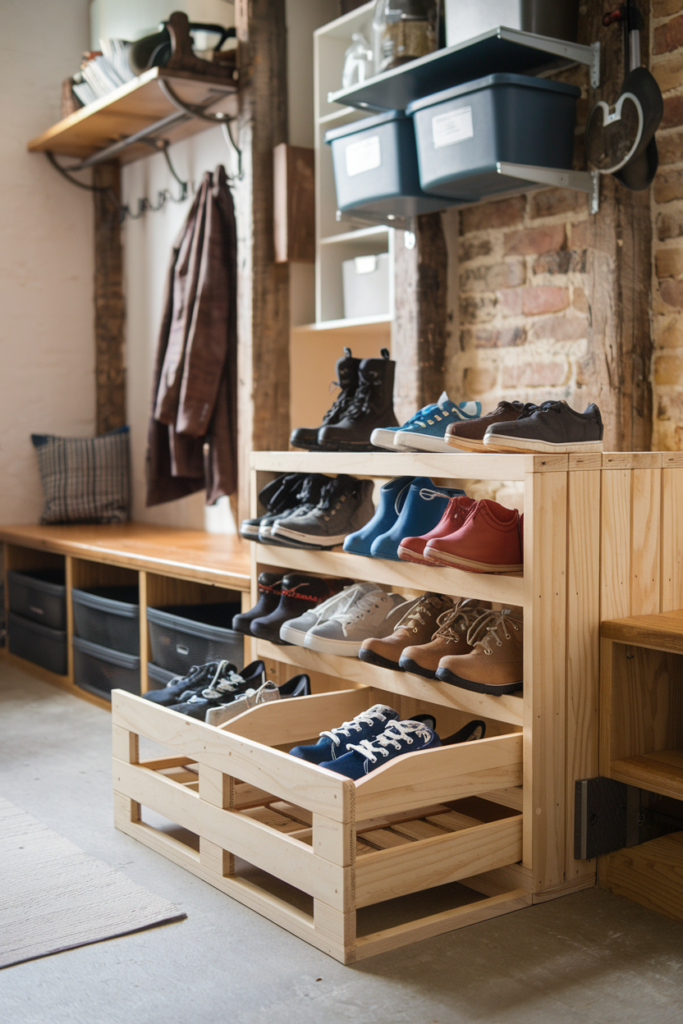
(449, 638)
(495, 662)
(416, 627)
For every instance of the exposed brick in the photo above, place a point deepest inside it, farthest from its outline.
(501, 214)
(669, 72)
(494, 276)
(535, 375)
(479, 379)
(668, 332)
(580, 300)
(510, 301)
(552, 201)
(669, 225)
(505, 337)
(477, 308)
(668, 185)
(669, 263)
(672, 292)
(560, 328)
(668, 369)
(670, 148)
(670, 407)
(665, 8)
(580, 234)
(534, 241)
(668, 37)
(673, 113)
(470, 248)
(543, 299)
(564, 262)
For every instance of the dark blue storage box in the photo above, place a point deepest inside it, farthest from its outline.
(375, 167)
(100, 670)
(36, 643)
(463, 132)
(38, 594)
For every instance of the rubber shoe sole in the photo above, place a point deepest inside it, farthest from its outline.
(406, 555)
(444, 675)
(324, 645)
(458, 562)
(421, 443)
(288, 635)
(376, 659)
(284, 533)
(464, 444)
(407, 665)
(383, 438)
(501, 443)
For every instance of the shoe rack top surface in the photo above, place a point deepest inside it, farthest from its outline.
(662, 631)
(189, 554)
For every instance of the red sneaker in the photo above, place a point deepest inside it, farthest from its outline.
(488, 541)
(411, 549)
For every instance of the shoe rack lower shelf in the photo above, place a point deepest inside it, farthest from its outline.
(506, 708)
(327, 858)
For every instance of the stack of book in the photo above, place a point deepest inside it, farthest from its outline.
(103, 72)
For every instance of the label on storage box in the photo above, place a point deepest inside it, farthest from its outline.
(455, 126)
(363, 156)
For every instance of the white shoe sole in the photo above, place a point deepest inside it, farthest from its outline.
(309, 538)
(342, 648)
(293, 636)
(249, 531)
(421, 443)
(382, 438)
(468, 565)
(501, 443)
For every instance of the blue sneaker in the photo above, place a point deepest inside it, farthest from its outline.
(426, 434)
(398, 738)
(392, 497)
(333, 742)
(385, 437)
(422, 510)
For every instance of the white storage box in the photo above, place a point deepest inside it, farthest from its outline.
(366, 286)
(554, 18)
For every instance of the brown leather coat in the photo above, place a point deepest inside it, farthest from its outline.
(193, 428)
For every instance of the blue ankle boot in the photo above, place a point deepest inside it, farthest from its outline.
(423, 507)
(392, 498)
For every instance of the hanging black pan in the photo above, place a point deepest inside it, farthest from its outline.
(622, 141)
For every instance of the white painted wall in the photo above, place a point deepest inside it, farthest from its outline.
(46, 255)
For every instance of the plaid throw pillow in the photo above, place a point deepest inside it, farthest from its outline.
(85, 479)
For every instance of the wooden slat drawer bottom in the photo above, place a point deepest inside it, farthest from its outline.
(417, 823)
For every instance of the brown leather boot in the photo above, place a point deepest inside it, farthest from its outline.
(449, 638)
(416, 627)
(495, 662)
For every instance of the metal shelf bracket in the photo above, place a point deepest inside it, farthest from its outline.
(581, 181)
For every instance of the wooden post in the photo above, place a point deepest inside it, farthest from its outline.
(419, 332)
(110, 313)
(263, 285)
(616, 372)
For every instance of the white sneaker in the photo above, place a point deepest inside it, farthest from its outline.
(294, 630)
(374, 614)
(224, 712)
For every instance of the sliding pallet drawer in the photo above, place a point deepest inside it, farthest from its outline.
(418, 822)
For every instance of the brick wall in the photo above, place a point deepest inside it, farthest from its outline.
(667, 222)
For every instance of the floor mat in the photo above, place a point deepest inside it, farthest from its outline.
(55, 897)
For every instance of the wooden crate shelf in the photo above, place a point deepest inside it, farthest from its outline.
(409, 826)
(134, 106)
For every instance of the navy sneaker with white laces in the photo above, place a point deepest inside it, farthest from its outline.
(333, 742)
(196, 679)
(224, 687)
(397, 739)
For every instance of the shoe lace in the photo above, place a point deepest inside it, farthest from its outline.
(456, 621)
(396, 735)
(417, 615)
(529, 409)
(342, 598)
(427, 494)
(228, 684)
(369, 717)
(220, 669)
(361, 608)
(486, 630)
(362, 402)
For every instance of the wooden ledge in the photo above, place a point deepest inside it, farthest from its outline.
(662, 631)
(184, 554)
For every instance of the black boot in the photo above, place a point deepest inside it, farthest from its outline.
(372, 406)
(277, 497)
(347, 380)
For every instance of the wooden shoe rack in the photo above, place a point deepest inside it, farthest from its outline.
(328, 858)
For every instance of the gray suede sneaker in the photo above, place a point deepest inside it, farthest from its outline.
(345, 505)
(375, 614)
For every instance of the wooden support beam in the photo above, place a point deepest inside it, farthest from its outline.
(110, 312)
(263, 285)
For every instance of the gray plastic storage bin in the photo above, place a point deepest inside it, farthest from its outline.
(99, 670)
(375, 167)
(108, 616)
(37, 643)
(184, 635)
(159, 678)
(555, 18)
(462, 133)
(38, 594)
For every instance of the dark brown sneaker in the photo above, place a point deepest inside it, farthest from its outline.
(449, 638)
(416, 627)
(468, 435)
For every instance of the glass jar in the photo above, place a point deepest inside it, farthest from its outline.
(403, 30)
(358, 62)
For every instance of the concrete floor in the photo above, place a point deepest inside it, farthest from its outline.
(591, 958)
